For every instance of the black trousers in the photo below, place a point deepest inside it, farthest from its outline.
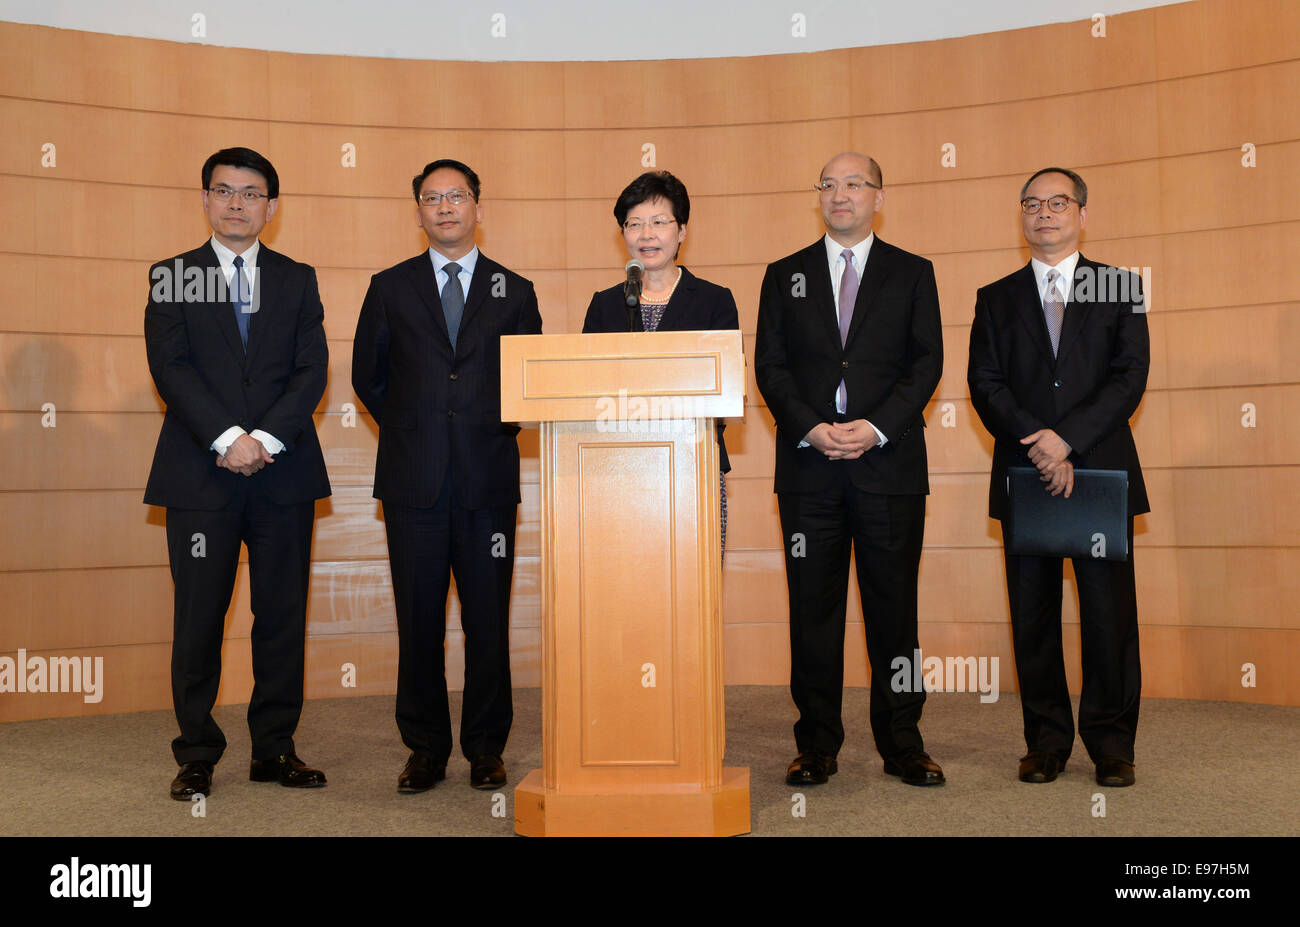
(885, 533)
(203, 548)
(425, 548)
(1112, 674)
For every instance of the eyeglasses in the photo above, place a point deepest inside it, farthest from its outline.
(225, 195)
(848, 186)
(656, 223)
(455, 197)
(1032, 204)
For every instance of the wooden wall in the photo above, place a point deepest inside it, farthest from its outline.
(1154, 115)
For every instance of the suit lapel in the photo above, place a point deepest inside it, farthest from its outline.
(268, 283)
(879, 263)
(1076, 310)
(678, 314)
(821, 297)
(1030, 307)
(223, 313)
(425, 282)
(479, 285)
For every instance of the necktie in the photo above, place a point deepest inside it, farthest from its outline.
(1053, 310)
(848, 296)
(242, 301)
(453, 301)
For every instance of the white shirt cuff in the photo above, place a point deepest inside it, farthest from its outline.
(881, 440)
(222, 444)
(272, 444)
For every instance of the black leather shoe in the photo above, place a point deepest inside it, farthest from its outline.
(486, 771)
(811, 769)
(915, 768)
(420, 774)
(194, 779)
(1115, 771)
(288, 770)
(1038, 766)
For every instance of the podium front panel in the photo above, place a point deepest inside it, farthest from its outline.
(635, 613)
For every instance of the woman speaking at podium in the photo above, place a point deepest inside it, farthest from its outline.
(658, 295)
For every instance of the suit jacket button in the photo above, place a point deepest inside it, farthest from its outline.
(1056, 383)
(247, 381)
(451, 413)
(844, 364)
(453, 376)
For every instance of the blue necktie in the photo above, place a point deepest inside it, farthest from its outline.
(242, 300)
(453, 301)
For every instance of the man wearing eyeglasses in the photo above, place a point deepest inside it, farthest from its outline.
(236, 345)
(1059, 355)
(849, 351)
(426, 362)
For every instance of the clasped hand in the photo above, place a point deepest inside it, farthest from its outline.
(843, 440)
(245, 456)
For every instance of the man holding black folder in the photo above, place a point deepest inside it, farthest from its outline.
(1059, 355)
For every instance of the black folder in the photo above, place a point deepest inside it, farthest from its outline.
(1093, 522)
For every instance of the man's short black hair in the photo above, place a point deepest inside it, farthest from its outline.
(470, 177)
(654, 185)
(248, 159)
(1080, 188)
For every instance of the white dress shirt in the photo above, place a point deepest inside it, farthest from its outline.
(467, 265)
(1064, 282)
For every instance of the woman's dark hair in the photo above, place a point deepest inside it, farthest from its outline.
(654, 185)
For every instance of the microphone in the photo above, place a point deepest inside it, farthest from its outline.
(632, 287)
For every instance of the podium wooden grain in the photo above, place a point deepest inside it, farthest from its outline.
(632, 700)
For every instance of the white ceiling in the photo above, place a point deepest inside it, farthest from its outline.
(557, 30)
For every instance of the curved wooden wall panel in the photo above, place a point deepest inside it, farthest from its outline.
(1154, 115)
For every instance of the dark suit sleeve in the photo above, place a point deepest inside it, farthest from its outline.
(291, 413)
(589, 323)
(986, 376)
(723, 314)
(1115, 401)
(794, 417)
(530, 318)
(180, 385)
(530, 323)
(905, 403)
(370, 351)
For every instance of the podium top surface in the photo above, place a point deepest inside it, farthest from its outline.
(653, 375)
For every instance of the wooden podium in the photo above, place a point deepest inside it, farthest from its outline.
(632, 702)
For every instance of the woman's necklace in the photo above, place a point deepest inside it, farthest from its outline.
(667, 296)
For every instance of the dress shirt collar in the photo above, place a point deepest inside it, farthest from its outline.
(467, 263)
(1064, 283)
(860, 251)
(227, 257)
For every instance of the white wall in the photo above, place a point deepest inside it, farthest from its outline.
(556, 30)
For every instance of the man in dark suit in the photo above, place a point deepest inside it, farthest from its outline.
(426, 362)
(237, 350)
(1059, 355)
(849, 351)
